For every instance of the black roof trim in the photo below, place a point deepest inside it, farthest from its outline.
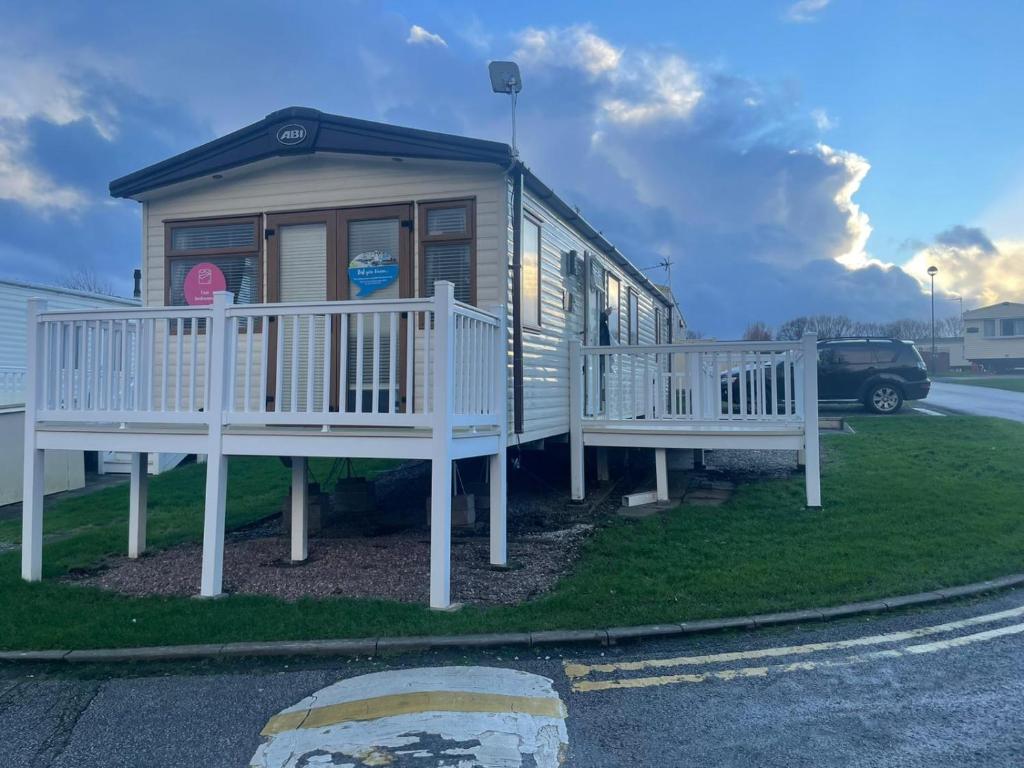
(320, 132)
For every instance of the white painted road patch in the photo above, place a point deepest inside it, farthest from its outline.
(928, 411)
(450, 717)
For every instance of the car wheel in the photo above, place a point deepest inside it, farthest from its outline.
(884, 398)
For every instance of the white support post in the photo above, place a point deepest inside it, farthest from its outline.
(661, 473)
(216, 462)
(577, 484)
(441, 461)
(603, 475)
(138, 496)
(33, 485)
(812, 468)
(300, 509)
(498, 463)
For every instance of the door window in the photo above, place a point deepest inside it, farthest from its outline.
(375, 244)
(303, 255)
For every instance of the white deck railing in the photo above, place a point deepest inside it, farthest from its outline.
(12, 385)
(350, 363)
(724, 382)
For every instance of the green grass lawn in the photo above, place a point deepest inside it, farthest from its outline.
(1009, 384)
(910, 504)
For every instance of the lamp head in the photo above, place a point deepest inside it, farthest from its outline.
(933, 271)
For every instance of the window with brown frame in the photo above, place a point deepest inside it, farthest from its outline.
(530, 274)
(448, 247)
(204, 255)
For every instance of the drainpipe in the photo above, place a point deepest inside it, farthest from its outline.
(137, 293)
(517, 319)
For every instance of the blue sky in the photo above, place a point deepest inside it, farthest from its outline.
(789, 157)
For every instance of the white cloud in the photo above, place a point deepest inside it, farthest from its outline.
(419, 36)
(822, 120)
(31, 187)
(970, 265)
(641, 87)
(576, 46)
(33, 89)
(804, 11)
(858, 226)
(663, 87)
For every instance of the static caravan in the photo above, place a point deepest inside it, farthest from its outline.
(315, 285)
(994, 336)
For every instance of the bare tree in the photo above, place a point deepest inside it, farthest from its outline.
(793, 330)
(832, 326)
(87, 280)
(757, 331)
(950, 327)
(693, 335)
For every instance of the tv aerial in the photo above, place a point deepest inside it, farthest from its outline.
(505, 78)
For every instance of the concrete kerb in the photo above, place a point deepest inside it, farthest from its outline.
(397, 645)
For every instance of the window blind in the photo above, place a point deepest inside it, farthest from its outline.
(449, 261)
(216, 236)
(446, 221)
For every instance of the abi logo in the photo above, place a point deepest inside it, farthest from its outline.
(291, 134)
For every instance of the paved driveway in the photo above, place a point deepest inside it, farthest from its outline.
(978, 401)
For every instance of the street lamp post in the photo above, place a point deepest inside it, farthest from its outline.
(932, 271)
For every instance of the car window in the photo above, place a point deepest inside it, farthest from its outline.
(885, 353)
(854, 354)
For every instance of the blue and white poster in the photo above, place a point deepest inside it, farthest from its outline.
(372, 270)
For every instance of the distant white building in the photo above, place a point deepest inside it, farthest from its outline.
(994, 336)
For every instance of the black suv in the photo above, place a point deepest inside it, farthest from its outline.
(881, 373)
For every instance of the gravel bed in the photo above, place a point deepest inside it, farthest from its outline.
(545, 536)
(392, 567)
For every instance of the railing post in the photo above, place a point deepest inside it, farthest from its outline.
(812, 459)
(578, 489)
(498, 463)
(441, 462)
(32, 487)
(217, 345)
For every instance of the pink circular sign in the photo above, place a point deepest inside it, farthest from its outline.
(201, 282)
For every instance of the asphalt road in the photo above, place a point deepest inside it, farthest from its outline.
(848, 693)
(978, 401)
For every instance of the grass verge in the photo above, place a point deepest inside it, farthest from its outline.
(910, 505)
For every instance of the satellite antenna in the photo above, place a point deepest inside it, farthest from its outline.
(505, 78)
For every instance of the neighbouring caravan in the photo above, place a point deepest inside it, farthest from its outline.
(994, 336)
(64, 469)
(307, 206)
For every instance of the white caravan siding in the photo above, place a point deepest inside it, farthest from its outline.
(546, 352)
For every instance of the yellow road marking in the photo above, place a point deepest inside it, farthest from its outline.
(414, 702)
(583, 686)
(574, 671)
